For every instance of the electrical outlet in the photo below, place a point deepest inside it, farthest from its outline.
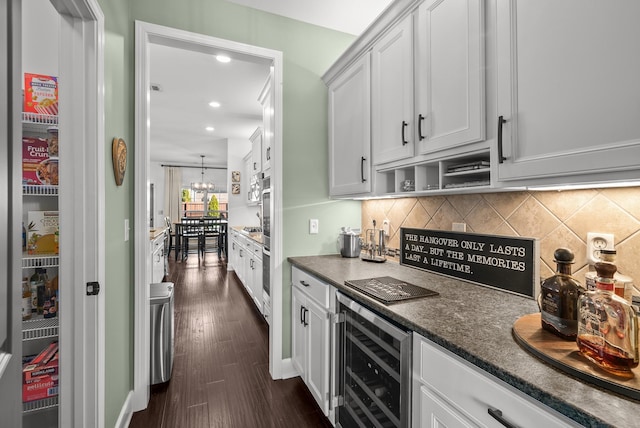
(596, 242)
(313, 226)
(385, 227)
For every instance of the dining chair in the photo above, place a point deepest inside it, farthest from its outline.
(190, 229)
(210, 240)
(171, 235)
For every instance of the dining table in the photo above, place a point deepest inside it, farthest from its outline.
(199, 223)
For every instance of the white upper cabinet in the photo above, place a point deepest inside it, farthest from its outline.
(349, 130)
(568, 90)
(256, 151)
(449, 79)
(267, 101)
(392, 94)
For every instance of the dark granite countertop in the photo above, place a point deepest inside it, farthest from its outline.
(475, 323)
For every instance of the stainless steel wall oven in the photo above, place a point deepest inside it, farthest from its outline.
(373, 375)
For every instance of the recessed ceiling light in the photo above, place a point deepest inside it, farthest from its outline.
(210, 128)
(214, 104)
(223, 58)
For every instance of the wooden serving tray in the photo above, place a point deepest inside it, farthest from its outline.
(564, 355)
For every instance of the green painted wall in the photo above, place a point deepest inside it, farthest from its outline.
(307, 52)
(119, 273)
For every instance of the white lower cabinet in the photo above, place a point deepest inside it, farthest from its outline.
(450, 392)
(245, 258)
(157, 259)
(311, 334)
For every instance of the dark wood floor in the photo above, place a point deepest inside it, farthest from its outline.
(221, 371)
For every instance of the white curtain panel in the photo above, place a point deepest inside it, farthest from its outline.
(172, 192)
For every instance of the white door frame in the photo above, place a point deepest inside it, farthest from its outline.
(82, 194)
(147, 34)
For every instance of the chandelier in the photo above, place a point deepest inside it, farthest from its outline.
(202, 185)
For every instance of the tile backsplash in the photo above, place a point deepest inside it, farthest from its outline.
(556, 218)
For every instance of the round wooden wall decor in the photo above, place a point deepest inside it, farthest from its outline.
(119, 149)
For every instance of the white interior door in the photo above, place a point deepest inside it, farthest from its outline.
(10, 214)
(82, 234)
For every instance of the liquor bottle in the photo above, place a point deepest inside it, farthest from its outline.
(558, 298)
(608, 326)
(623, 284)
(26, 300)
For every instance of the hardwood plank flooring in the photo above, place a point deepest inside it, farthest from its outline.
(221, 375)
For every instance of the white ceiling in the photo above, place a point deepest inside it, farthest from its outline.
(189, 80)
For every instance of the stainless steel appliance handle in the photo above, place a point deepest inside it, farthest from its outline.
(370, 316)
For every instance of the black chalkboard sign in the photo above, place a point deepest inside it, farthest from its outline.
(507, 263)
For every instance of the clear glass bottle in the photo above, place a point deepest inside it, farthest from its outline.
(558, 298)
(608, 326)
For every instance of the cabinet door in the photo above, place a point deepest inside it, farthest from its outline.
(267, 101)
(256, 151)
(298, 332)
(392, 94)
(432, 412)
(568, 90)
(449, 74)
(349, 130)
(256, 282)
(317, 354)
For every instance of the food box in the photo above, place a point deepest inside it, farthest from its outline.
(41, 388)
(38, 167)
(47, 365)
(40, 375)
(40, 94)
(42, 232)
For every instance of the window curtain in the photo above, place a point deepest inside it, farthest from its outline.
(172, 192)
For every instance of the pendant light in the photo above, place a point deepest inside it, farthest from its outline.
(202, 185)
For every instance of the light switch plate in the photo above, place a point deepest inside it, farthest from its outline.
(314, 226)
(126, 229)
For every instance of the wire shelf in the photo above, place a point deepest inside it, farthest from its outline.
(39, 190)
(41, 261)
(45, 403)
(39, 328)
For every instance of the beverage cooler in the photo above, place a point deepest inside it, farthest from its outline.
(374, 369)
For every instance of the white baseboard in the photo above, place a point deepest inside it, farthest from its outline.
(125, 413)
(288, 370)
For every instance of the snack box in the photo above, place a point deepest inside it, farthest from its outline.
(40, 388)
(42, 232)
(40, 94)
(37, 166)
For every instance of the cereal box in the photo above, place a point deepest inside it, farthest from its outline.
(40, 94)
(42, 232)
(37, 165)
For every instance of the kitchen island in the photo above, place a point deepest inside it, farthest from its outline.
(475, 322)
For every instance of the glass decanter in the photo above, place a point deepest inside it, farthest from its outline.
(558, 298)
(607, 326)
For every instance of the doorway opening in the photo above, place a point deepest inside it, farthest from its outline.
(149, 36)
